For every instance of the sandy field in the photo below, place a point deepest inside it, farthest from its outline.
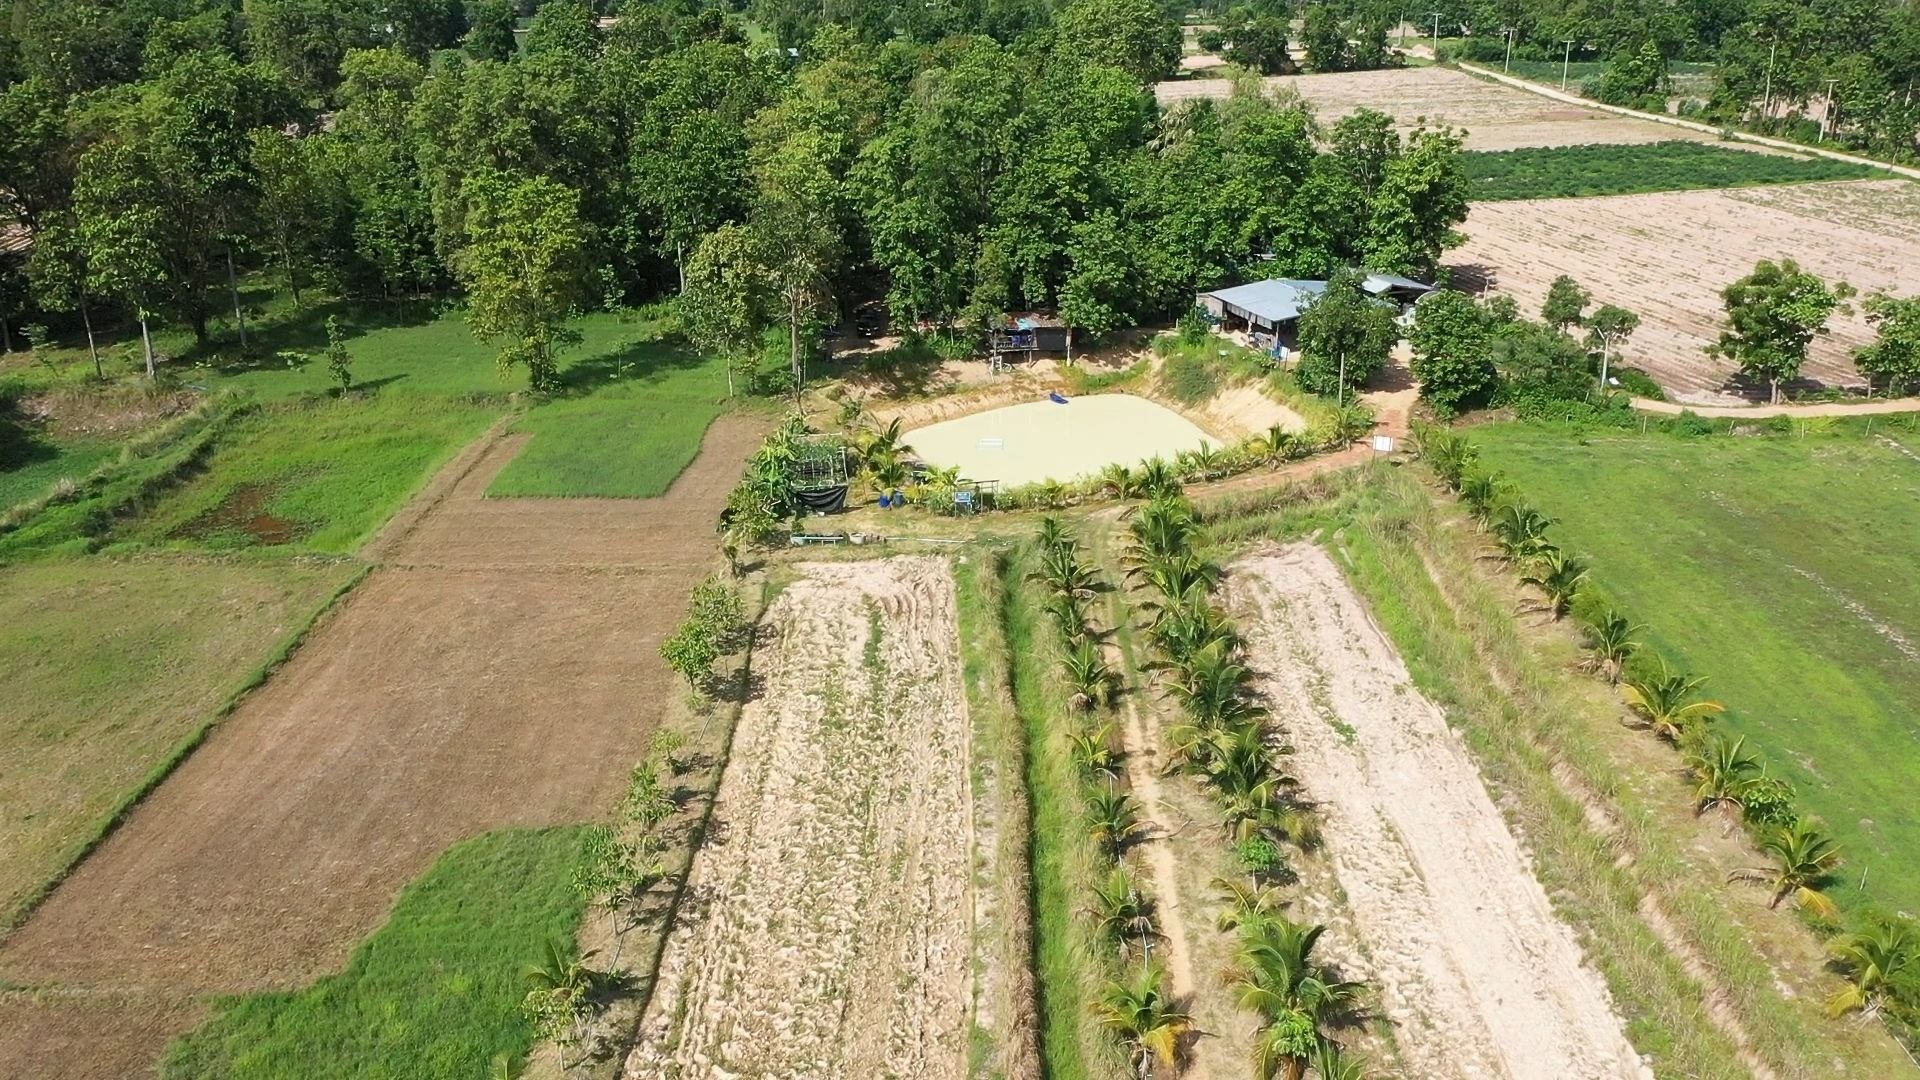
(1041, 440)
(828, 928)
(1496, 117)
(500, 672)
(1667, 256)
(1477, 975)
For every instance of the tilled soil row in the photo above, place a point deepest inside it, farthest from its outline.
(1477, 974)
(828, 928)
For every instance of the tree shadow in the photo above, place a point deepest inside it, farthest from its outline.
(305, 331)
(20, 442)
(636, 362)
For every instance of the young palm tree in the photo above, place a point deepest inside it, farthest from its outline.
(1066, 575)
(1804, 862)
(1520, 531)
(1873, 958)
(1723, 772)
(1113, 820)
(1185, 626)
(1213, 686)
(1447, 452)
(1119, 482)
(1121, 910)
(1611, 641)
(1247, 902)
(1093, 753)
(1088, 675)
(1279, 444)
(1054, 536)
(1483, 493)
(1158, 479)
(1558, 576)
(1665, 703)
(1141, 1015)
(1329, 1063)
(1276, 976)
(1164, 525)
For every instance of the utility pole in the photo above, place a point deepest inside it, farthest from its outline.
(1436, 36)
(1340, 395)
(1566, 62)
(1826, 115)
(1509, 31)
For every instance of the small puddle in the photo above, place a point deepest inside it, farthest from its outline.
(243, 511)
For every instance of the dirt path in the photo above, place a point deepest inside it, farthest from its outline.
(1692, 126)
(1766, 412)
(1142, 749)
(500, 668)
(829, 929)
(1479, 977)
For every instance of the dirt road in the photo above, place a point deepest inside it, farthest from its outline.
(1478, 976)
(500, 668)
(828, 932)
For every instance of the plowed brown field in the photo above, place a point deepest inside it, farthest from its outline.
(1496, 117)
(502, 669)
(1478, 976)
(1667, 256)
(828, 933)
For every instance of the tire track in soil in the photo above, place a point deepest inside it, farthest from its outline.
(1472, 966)
(828, 929)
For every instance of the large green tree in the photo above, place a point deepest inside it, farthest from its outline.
(1422, 195)
(1344, 330)
(1893, 360)
(522, 268)
(1451, 354)
(1135, 36)
(1773, 315)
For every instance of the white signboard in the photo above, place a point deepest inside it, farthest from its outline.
(1383, 444)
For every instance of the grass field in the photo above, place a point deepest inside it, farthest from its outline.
(34, 471)
(1617, 169)
(1782, 569)
(320, 475)
(112, 665)
(435, 992)
(627, 439)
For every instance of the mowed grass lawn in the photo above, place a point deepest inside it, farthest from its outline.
(111, 665)
(1784, 570)
(629, 439)
(320, 474)
(436, 992)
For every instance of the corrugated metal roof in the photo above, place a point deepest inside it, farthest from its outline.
(1275, 300)
(1379, 283)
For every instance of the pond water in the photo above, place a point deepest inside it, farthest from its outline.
(1044, 440)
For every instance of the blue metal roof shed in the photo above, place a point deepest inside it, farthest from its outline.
(1266, 304)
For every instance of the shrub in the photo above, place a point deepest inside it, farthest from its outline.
(1191, 377)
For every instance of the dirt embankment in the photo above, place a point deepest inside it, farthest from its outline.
(1478, 976)
(828, 927)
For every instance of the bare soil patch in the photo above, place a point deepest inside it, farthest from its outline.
(827, 931)
(1479, 976)
(675, 531)
(1496, 117)
(88, 1037)
(1667, 256)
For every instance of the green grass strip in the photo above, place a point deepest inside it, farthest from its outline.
(1561, 172)
(625, 445)
(1067, 959)
(179, 754)
(436, 992)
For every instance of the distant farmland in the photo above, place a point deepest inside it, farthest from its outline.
(1667, 256)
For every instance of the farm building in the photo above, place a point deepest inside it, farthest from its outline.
(1274, 305)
